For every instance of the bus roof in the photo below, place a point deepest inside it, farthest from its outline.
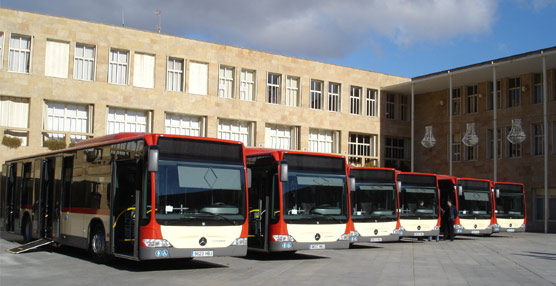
(281, 152)
(371, 168)
(455, 179)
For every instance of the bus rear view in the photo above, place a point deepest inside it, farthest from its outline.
(298, 201)
(419, 205)
(510, 207)
(374, 203)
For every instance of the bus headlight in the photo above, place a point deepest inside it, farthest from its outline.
(401, 230)
(282, 238)
(156, 242)
(523, 226)
(344, 236)
(240, 241)
(395, 231)
(458, 226)
(436, 227)
(354, 235)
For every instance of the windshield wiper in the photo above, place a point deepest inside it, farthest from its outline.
(181, 219)
(328, 217)
(220, 216)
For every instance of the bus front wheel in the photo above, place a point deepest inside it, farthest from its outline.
(97, 244)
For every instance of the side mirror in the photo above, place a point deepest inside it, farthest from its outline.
(284, 171)
(153, 158)
(497, 193)
(460, 191)
(249, 178)
(399, 186)
(352, 184)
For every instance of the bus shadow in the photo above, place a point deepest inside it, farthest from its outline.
(262, 256)
(363, 246)
(539, 255)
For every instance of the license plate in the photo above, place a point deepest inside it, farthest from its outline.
(510, 230)
(202, 253)
(316, 246)
(419, 234)
(475, 232)
(376, 239)
(458, 230)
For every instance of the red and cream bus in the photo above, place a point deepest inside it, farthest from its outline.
(473, 199)
(132, 195)
(419, 201)
(297, 201)
(374, 205)
(510, 208)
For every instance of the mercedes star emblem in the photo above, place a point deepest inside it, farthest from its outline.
(317, 237)
(202, 241)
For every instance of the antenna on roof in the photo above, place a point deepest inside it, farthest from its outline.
(123, 19)
(159, 26)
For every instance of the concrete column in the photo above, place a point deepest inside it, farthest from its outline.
(545, 143)
(412, 128)
(494, 124)
(451, 131)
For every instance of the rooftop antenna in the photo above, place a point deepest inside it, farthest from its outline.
(158, 13)
(123, 19)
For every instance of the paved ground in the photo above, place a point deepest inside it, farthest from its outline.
(503, 259)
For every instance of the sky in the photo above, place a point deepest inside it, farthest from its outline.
(407, 38)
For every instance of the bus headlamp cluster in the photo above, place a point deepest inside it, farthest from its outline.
(458, 226)
(401, 230)
(156, 242)
(282, 238)
(242, 241)
(354, 236)
(436, 227)
(344, 237)
(395, 231)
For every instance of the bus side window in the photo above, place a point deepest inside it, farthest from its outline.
(67, 174)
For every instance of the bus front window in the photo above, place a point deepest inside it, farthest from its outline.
(510, 204)
(475, 203)
(374, 201)
(310, 197)
(419, 201)
(195, 193)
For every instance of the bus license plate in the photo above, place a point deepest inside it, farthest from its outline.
(316, 246)
(510, 230)
(376, 239)
(419, 234)
(202, 253)
(475, 232)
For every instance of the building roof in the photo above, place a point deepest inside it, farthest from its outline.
(512, 66)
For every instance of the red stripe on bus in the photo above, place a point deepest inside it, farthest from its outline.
(87, 211)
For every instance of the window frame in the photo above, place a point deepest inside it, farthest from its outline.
(245, 83)
(296, 90)
(293, 138)
(250, 135)
(2, 37)
(175, 71)
(316, 98)
(513, 150)
(334, 99)
(117, 64)
(137, 82)
(223, 81)
(490, 146)
(58, 134)
(168, 127)
(94, 59)
(537, 139)
(457, 155)
(371, 103)
(514, 92)
(490, 103)
(472, 102)
(334, 142)
(202, 92)
(148, 118)
(537, 96)
(30, 51)
(275, 98)
(355, 148)
(390, 106)
(456, 101)
(355, 101)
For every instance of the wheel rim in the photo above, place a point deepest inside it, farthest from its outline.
(97, 243)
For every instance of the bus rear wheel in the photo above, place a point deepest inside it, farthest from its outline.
(97, 244)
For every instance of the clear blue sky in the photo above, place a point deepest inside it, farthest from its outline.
(398, 37)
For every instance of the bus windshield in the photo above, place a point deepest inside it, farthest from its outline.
(313, 196)
(510, 204)
(199, 193)
(475, 201)
(418, 201)
(374, 202)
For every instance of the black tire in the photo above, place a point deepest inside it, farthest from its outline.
(97, 244)
(27, 230)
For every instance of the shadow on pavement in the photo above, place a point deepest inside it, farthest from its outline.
(539, 255)
(262, 256)
(364, 246)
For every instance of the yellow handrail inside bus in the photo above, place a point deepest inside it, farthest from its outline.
(121, 213)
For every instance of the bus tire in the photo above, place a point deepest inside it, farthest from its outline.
(97, 244)
(27, 230)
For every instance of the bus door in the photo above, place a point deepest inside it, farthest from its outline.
(46, 201)
(56, 207)
(10, 196)
(259, 205)
(447, 192)
(127, 183)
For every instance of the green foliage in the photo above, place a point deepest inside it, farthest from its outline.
(53, 144)
(11, 142)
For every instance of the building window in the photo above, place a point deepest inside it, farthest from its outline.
(198, 78)
(118, 66)
(538, 95)
(456, 101)
(236, 130)
(403, 108)
(84, 62)
(514, 92)
(57, 59)
(539, 205)
(282, 137)
(370, 102)
(456, 147)
(14, 114)
(490, 149)
(323, 141)
(538, 139)
(273, 87)
(397, 154)
(554, 137)
(1, 50)
(472, 99)
(355, 100)
(316, 98)
(334, 98)
(363, 150)
(67, 118)
(127, 120)
(174, 77)
(143, 70)
(471, 153)
(513, 150)
(184, 124)
(292, 91)
(390, 106)
(498, 96)
(226, 77)
(19, 57)
(247, 85)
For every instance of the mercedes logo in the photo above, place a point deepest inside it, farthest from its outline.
(376, 231)
(202, 241)
(317, 237)
(418, 227)
(510, 225)
(475, 226)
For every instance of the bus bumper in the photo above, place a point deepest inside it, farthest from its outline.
(379, 238)
(275, 246)
(152, 253)
(410, 233)
(513, 229)
(485, 231)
